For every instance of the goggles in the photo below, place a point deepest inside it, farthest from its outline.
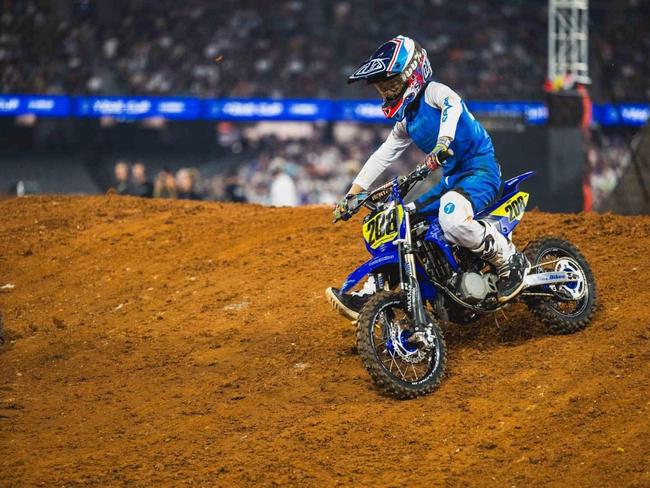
(391, 88)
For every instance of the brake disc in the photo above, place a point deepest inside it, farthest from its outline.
(399, 344)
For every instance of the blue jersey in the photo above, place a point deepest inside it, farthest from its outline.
(471, 139)
(438, 112)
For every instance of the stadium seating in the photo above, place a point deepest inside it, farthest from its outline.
(243, 48)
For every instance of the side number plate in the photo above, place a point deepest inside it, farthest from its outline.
(513, 208)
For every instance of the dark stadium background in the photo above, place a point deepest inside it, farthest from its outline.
(486, 50)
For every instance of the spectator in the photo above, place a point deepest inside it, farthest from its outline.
(141, 186)
(165, 185)
(234, 191)
(283, 189)
(122, 186)
(186, 182)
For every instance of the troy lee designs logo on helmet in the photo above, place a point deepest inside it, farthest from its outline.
(371, 67)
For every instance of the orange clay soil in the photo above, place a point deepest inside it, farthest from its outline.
(164, 343)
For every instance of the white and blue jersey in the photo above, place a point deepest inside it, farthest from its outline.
(439, 112)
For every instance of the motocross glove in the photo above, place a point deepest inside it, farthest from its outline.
(347, 205)
(436, 158)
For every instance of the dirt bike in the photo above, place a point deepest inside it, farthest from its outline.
(422, 279)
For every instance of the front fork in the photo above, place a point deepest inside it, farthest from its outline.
(408, 277)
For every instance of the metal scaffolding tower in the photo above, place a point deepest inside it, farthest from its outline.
(568, 39)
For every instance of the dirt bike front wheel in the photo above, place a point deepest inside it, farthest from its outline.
(398, 368)
(573, 304)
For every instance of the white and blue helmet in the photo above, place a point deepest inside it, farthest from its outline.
(399, 69)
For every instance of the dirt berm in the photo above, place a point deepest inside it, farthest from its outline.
(160, 343)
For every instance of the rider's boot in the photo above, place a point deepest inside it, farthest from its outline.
(350, 304)
(512, 266)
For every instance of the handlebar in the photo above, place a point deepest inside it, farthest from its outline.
(405, 184)
(418, 174)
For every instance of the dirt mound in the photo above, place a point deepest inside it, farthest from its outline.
(171, 343)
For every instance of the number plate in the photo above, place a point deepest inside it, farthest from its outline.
(513, 208)
(383, 227)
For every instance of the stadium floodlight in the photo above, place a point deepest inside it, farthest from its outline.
(568, 40)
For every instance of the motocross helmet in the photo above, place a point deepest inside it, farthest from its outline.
(399, 69)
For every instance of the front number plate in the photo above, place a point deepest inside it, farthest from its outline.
(383, 227)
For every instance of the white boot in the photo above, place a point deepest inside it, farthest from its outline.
(512, 266)
(494, 248)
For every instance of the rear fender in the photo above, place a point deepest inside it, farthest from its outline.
(508, 215)
(508, 210)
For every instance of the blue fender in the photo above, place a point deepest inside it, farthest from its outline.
(379, 260)
(427, 290)
(502, 222)
(510, 187)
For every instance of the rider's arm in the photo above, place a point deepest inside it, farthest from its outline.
(396, 143)
(447, 100)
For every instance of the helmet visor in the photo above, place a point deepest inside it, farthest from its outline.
(391, 88)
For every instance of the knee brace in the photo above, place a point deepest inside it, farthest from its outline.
(456, 219)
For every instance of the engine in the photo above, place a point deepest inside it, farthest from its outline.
(475, 287)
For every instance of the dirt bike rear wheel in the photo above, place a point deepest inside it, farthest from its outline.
(562, 315)
(399, 369)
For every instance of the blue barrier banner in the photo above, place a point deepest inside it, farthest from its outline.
(259, 109)
(253, 109)
(535, 113)
(360, 111)
(40, 105)
(176, 108)
(631, 114)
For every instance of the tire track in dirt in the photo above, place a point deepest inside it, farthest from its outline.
(169, 343)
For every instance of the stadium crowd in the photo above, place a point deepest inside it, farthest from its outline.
(133, 180)
(298, 171)
(317, 169)
(293, 48)
(608, 156)
(291, 171)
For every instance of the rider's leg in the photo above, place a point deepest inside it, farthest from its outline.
(456, 217)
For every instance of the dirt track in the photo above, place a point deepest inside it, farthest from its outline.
(169, 343)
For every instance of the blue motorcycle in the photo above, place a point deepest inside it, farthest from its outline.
(421, 279)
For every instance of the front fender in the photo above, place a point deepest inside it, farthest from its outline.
(389, 257)
(427, 289)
